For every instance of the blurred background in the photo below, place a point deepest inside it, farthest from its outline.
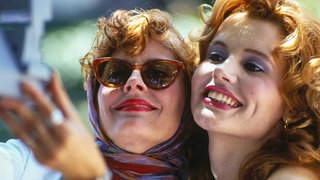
(70, 32)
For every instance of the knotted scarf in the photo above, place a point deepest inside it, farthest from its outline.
(163, 161)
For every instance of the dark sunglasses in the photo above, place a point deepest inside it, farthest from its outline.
(156, 74)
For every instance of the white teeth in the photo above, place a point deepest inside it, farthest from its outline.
(228, 101)
(221, 98)
(224, 99)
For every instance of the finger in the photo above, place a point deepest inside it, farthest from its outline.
(28, 127)
(41, 100)
(11, 124)
(61, 98)
(47, 108)
(42, 146)
(22, 112)
(18, 131)
(45, 105)
(56, 124)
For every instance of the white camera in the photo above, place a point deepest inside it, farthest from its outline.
(11, 76)
(21, 30)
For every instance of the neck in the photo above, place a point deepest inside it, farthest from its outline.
(227, 153)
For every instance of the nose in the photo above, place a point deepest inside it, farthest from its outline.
(135, 82)
(225, 72)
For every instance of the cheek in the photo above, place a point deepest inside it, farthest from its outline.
(194, 82)
(101, 97)
(196, 78)
(268, 98)
(276, 105)
(274, 111)
(201, 77)
(105, 99)
(203, 74)
(174, 101)
(178, 95)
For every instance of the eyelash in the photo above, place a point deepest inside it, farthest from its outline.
(217, 58)
(252, 67)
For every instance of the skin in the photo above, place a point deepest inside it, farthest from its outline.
(240, 66)
(293, 173)
(137, 128)
(57, 146)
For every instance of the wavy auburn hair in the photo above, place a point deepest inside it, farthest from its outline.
(130, 31)
(300, 50)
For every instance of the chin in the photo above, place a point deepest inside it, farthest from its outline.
(204, 123)
(205, 119)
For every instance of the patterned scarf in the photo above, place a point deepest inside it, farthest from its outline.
(163, 161)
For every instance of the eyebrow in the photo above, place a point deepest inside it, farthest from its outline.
(259, 53)
(218, 43)
(246, 50)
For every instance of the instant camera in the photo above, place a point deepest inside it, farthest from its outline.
(21, 29)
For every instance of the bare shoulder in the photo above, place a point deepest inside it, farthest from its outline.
(294, 173)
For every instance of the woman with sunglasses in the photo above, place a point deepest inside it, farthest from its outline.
(138, 88)
(257, 89)
(137, 78)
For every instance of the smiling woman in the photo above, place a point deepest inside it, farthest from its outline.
(256, 90)
(148, 111)
(137, 78)
(249, 62)
(138, 95)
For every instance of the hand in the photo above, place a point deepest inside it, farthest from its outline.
(64, 145)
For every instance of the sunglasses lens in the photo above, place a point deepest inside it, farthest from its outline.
(113, 73)
(159, 74)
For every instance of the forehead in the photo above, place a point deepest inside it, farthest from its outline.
(154, 50)
(239, 30)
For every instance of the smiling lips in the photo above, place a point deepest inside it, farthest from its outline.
(135, 105)
(220, 98)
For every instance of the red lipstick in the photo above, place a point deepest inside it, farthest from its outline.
(220, 98)
(134, 105)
